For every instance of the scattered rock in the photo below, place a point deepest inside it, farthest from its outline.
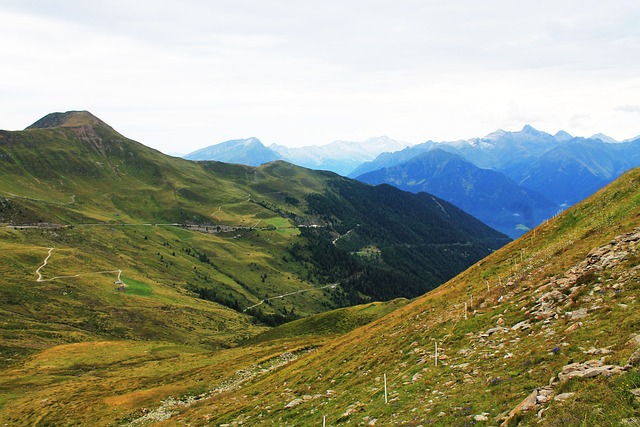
(351, 409)
(521, 325)
(577, 315)
(480, 418)
(563, 396)
(533, 401)
(293, 403)
(589, 369)
(544, 396)
(492, 331)
(634, 360)
(573, 327)
(595, 351)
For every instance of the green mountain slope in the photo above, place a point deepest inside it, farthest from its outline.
(550, 336)
(71, 168)
(144, 273)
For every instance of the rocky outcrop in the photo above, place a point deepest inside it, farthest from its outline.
(533, 402)
(559, 299)
(590, 369)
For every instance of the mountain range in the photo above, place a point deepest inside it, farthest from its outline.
(232, 234)
(534, 174)
(140, 289)
(541, 173)
(488, 195)
(339, 156)
(564, 169)
(250, 152)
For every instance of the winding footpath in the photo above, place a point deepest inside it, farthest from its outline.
(46, 260)
(43, 264)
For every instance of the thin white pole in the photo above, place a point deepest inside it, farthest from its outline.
(324, 421)
(465, 311)
(385, 389)
(436, 357)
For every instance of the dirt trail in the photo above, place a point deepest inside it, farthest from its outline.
(46, 261)
(340, 237)
(288, 294)
(39, 279)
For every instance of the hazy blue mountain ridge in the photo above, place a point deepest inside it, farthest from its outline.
(340, 157)
(249, 152)
(488, 195)
(563, 168)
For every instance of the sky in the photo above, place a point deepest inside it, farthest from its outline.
(181, 75)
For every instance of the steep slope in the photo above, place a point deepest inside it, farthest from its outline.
(487, 195)
(550, 336)
(250, 152)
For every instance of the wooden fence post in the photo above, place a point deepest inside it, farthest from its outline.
(385, 389)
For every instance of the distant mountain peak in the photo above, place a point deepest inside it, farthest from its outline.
(498, 133)
(604, 138)
(67, 119)
(247, 151)
(530, 130)
(635, 138)
(563, 136)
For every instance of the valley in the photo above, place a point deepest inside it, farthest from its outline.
(158, 291)
(130, 269)
(511, 181)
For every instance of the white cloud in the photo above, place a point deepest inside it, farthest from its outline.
(635, 109)
(181, 75)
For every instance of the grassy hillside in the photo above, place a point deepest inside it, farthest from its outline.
(550, 336)
(128, 271)
(227, 233)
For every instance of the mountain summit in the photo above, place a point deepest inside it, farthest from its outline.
(67, 119)
(249, 151)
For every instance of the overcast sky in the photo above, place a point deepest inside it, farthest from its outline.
(181, 75)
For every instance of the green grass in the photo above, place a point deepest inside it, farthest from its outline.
(502, 369)
(135, 287)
